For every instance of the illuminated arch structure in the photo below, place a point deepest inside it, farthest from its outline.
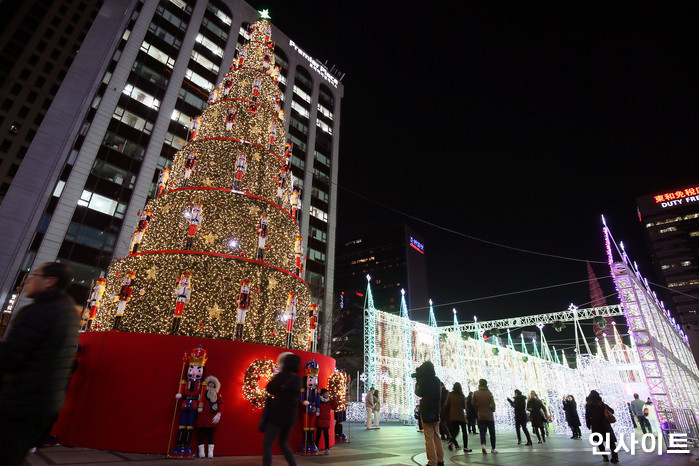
(658, 357)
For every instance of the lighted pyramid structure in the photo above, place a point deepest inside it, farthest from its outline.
(224, 221)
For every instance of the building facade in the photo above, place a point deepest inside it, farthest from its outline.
(671, 224)
(144, 72)
(395, 260)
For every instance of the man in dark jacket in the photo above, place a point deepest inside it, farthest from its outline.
(36, 361)
(427, 387)
(281, 412)
(520, 405)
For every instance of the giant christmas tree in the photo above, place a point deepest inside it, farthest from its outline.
(218, 252)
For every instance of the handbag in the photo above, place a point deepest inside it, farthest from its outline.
(608, 416)
(263, 417)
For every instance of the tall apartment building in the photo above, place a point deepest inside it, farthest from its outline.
(39, 39)
(671, 221)
(143, 73)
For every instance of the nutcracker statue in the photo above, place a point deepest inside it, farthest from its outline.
(262, 231)
(188, 167)
(194, 216)
(230, 121)
(241, 166)
(338, 383)
(123, 297)
(312, 323)
(190, 392)
(243, 306)
(213, 95)
(256, 87)
(137, 236)
(298, 254)
(195, 127)
(266, 60)
(209, 414)
(227, 84)
(295, 203)
(162, 180)
(310, 399)
(182, 294)
(95, 298)
(272, 134)
(289, 316)
(242, 53)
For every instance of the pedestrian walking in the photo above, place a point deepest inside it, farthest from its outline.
(570, 406)
(377, 409)
(427, 387)
(369, 404)
(538, 415)
(485, 407)
(519, 403)
(285, 387)
(418, 418)
(36, 359)
(638, 407)
(598, 420)
(471, 415)
(444, 433)
(456, 405)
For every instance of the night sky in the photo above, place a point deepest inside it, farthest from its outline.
(514, 124)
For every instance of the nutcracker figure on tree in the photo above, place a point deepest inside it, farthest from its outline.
(295, 203)
(162, 180)
(95, 298)
(190, 392)
(289, 316)
(241, 166)
(189, 166)
(298, 254)
(123, 297)
(194, 216)
(262, 231)
(196, 123)
(310, 399)
(312, 324)
(243, 302)
(182, 294)
(230, 120)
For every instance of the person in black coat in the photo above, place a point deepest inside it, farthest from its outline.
(282, 410)
(571, 409)
(36, 361)
(538, 415)
(471, 415)
(444, 432)
(519, 403)
(427, 387)
(597, 422)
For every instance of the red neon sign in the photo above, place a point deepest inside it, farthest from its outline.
(679, 194)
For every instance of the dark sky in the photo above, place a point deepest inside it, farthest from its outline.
(516, 124)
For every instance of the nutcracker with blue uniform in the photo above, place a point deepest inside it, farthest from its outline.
(310, 399)
(190, 393)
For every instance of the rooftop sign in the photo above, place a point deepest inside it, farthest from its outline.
(315, 65)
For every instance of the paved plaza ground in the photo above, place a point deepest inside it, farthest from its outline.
(393, 444)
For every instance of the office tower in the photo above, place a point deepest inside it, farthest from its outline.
(671, 223)
(144, 73)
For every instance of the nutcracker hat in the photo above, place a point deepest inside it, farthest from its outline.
(198, 357)
(312, 368)
(131, 274)
(102, 280)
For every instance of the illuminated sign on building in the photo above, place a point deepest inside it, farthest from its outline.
(415, 244)
(316, 65)
(677, 198)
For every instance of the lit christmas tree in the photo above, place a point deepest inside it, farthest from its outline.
(218, 253)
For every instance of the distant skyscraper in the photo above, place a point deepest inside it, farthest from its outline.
(395, 260)
(144, 71)
(671, 221)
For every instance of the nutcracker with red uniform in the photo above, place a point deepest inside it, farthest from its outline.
(188, 165)
(241, 166)
(137, 236)
(123, 297)
(195, 127)
(182, 293)
(242, 301)
(298, 254)
(256, 87)
(230, 121)
(95, 299)
(194, 216)
(295, 203)
(312, 324)
(310, 399)
(272, 134)
(227, 84)
(213, 95)
(266, 59)
(162, 180)
(242, 53)
(209, 415)
(262, 232)
(289, 316)
(190, 392)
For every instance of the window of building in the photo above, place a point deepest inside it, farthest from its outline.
(149, 74)
(215, 29)
(175, 141)
(90, 237)
(302, 111)
(324, 126)
(316, 256)
(196, 100)
(141, 96)
(319, 235)
(319, 175)
(325, 112)
(171, 18)
(298, 125)
(319, 214)
(198, 80)
(301, 93)
(113, 173)
(215, 49)
(205, 62)
(158, 54)
(165, 36)
(219, 14)
(13, 170)
(123, 145)
(322, 158)
(133, 120)
(667, 230)
(298, 144)
(320, 194)
(102, 204)
(31, 97)
(181, 118)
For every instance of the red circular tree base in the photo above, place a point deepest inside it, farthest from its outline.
(122, 395)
